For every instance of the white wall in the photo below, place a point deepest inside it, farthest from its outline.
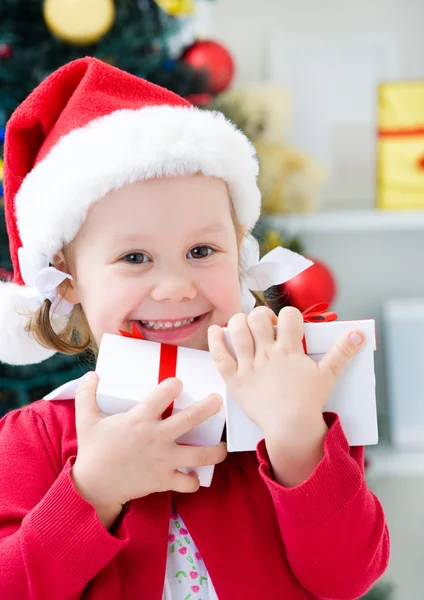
(245, 26)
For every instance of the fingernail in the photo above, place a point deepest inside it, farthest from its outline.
(90, 375)
(212, 329)
(356, 338)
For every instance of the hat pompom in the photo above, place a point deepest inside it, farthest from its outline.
(17, 346)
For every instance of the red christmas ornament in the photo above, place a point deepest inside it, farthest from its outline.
(199, 99)
(215, 60)
(313, 286)
(5, 51)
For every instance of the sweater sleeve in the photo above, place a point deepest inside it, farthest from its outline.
(51, 541)
(333, 527)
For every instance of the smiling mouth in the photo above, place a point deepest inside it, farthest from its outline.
(168, 325)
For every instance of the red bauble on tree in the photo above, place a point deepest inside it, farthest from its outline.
(199, 99)
(313, 286)
(213, 58)
(5, 51)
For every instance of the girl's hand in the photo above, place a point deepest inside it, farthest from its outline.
(130, 455)
(278, 386)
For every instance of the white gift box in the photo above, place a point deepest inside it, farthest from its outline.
(353, 397)
(128, 371)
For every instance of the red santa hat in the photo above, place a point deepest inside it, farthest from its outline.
(85, 130)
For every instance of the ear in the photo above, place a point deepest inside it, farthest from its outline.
(67, 288)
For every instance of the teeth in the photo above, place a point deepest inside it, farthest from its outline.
(167, 324)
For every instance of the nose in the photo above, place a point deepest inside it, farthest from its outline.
(173, 287)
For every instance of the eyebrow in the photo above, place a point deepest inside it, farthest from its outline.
(212, 228)
(130, 237)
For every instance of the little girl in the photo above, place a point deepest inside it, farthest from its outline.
(127, 206)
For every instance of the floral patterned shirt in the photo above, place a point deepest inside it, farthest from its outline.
(186, 575)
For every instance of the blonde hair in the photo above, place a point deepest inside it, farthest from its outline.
(76, 336)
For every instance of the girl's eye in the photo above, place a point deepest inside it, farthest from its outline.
(135, 258)
(200, 252)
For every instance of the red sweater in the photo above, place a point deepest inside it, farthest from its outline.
(326, 538)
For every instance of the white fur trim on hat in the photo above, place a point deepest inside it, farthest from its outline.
(124, 147)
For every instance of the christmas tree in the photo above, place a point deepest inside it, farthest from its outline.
(136, 42)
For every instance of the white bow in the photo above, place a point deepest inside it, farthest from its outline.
(275, 268)
(41, 283)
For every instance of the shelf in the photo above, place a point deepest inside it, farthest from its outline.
(346, 221)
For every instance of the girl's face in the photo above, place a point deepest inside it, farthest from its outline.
(162, 254)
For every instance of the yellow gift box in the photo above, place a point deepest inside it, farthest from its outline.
(400, 148)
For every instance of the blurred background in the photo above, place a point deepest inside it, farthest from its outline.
(331, 93)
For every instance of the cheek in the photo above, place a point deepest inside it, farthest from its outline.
(222, 288)
(107, 300)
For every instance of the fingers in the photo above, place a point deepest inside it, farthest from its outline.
(261, 323)
(290, 330)
(200, 456)
(184, 484)
(241, 339)
(86, 410)
(158, 401)
(184, 420)
(341, 353)
(225, 362)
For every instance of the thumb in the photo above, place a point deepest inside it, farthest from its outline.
(341, 353)
(86, 410)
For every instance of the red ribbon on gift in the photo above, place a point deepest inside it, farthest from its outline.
(401, 132)
(167, 368)
(405, 132)
(135, 333)
(317, 313)
(167, 360)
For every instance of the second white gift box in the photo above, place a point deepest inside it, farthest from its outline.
(353, 396)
